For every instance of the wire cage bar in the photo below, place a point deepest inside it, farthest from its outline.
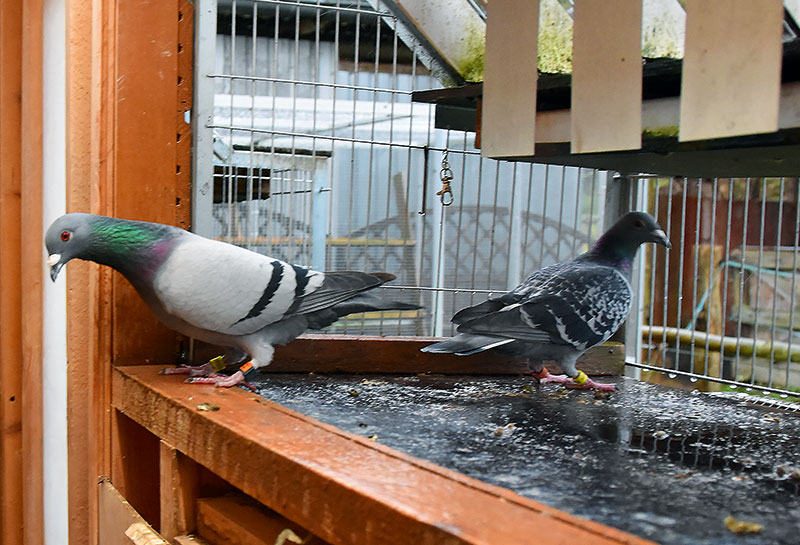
(318, 156)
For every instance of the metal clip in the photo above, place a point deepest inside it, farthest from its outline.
(445, 194)
(446, 175)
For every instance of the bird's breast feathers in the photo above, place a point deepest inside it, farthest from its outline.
(227, 289)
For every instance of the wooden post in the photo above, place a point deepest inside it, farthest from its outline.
(11, 454)
(179, 491)
(32, 266)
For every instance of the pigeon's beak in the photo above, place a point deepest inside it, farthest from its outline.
(660, 237)
(54, 262)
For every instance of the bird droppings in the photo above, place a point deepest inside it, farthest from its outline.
(644, 456)
(207, 407)
(741, 526)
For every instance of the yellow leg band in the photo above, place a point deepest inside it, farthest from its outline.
(218, 363)
(581, 379)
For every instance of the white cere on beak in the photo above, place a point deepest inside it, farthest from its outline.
(53, 259)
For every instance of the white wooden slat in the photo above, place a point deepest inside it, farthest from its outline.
(509, 88)
(607, 76)
(731, 69)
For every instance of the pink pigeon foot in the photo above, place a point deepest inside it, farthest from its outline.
(544, 377)
(590, 384)
(222, 381)
(204, 370)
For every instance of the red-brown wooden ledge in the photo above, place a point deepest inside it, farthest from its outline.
(343, 488)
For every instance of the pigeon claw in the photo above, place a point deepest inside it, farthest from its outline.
(222, 381)
(236, 379)
(544, 377)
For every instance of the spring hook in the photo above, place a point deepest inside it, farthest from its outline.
(446, 176)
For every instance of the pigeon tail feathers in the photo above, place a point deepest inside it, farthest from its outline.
(466, 345)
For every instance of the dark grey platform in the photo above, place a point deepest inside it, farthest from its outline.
(665, 464)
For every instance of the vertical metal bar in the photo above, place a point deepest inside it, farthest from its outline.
(543, 238)
(712, 273)
(205, 43)
(695, 265)
(560, 213)
(726, 268)
(251, 231)
(758, 274)
(575, 230)
(653, 276)
(775, 292)
(526, 215)
(513, 257)
(743, 260)
(459, 225)
(796, 244)
(682, 247)
(494, 223)
(666, 290)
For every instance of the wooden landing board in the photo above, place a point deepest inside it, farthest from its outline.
(343, 488)
(607, 76)
(731, 72)
(508, 118)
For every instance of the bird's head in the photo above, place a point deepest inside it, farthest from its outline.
(641, 227)
(624, 237)
(67, 237)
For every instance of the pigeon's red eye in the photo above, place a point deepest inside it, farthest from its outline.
(65, 235)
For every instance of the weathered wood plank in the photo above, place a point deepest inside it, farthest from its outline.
(731, 87)
(343, 488)
(508, 119)
(179, 489)
(238, 520)
(607, 76)
(116, 516)
(342, 353)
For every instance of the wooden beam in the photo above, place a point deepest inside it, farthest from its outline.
(238, 520)
(732, 68)
(32, 259)
(179, 490)
(343, 488)
(151, 180)
(508, 119)
(11, 415)
(82, 479)
(607, 76)
(345, 353)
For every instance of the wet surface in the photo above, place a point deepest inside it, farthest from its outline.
(664, 464)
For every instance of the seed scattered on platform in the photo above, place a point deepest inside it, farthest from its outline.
(741, 526)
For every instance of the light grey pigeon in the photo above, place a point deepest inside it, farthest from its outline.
(560, 311)
(216, 292)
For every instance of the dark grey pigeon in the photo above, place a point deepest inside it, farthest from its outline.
(560, 311)
(216, 292)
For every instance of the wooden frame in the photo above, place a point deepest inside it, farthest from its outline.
(293, 464)
(21, 76)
